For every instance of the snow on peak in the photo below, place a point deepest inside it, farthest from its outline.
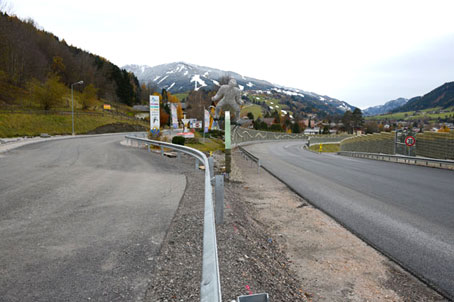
(155, 79)
(241, 87)
(249, 84)
(216, 82)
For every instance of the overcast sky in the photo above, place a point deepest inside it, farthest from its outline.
(362, 52)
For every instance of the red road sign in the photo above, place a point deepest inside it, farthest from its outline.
(410, 141)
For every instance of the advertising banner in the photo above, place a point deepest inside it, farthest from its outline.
(154, 113)
(173, 111)
(206, 121)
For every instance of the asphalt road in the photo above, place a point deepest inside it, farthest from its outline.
(83, 219)
(406, 212)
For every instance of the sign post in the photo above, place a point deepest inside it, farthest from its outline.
(154, 115)
(410, 141)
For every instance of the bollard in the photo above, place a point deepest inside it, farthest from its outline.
(219, 196)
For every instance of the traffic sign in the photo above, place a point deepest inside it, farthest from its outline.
(410, 141)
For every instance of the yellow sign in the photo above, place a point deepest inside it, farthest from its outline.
(321, 147)
(107, 107)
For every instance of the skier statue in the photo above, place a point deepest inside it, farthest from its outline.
(230, 96)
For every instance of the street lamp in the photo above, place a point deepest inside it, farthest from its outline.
(72, 102)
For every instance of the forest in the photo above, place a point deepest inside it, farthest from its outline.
(37, 69)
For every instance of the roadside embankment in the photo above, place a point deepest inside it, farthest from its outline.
(28, 124)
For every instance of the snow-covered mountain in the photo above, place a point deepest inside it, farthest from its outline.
(181, 77)
(387, 107)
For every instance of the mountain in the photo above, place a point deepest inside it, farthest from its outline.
(442, 96)
(182, 77)
(386, 108)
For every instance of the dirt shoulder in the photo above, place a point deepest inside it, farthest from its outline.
(330, 263)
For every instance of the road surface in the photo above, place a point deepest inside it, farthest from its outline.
(82, 219)
(406, 212)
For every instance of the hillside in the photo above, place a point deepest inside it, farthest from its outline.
(385, 108)
(182, 77)
(442, 96)
(31, 55)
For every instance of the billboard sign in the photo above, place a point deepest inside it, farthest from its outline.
(173, 111)
(154, 113)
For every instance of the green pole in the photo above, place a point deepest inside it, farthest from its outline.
(228, 151)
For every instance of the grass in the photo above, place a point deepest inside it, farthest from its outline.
(270, 102)
(22, 124)
(325, 148)
(211, 144)
(255, 109)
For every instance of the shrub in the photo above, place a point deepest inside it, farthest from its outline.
(179, 140)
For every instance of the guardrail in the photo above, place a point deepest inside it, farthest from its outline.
(210, 288)
(251, 156)
(420, 161)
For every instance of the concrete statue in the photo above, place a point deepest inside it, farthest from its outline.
(230, 96)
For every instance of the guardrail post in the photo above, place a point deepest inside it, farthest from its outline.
(162, 151)
(219, 196)
(196, 164)
(179, 155)
(258, 166)
(211, 167)
(149, 147)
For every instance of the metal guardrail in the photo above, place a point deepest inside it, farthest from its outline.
(251, 156)
(210, 288)
(420, 161)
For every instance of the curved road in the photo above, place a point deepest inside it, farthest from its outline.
(82, 219)
(407, 212)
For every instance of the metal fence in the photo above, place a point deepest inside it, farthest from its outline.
(413, 160)
(210, 288)
(243, 135)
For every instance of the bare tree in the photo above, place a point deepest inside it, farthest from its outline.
(6, 7)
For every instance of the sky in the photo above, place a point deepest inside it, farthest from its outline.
(362, 52)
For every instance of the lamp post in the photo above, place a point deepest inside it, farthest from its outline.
(72, 103)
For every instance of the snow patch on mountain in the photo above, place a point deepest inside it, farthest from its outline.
(162, 79)
(288, 92)
(197, 80)
(173, 84)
